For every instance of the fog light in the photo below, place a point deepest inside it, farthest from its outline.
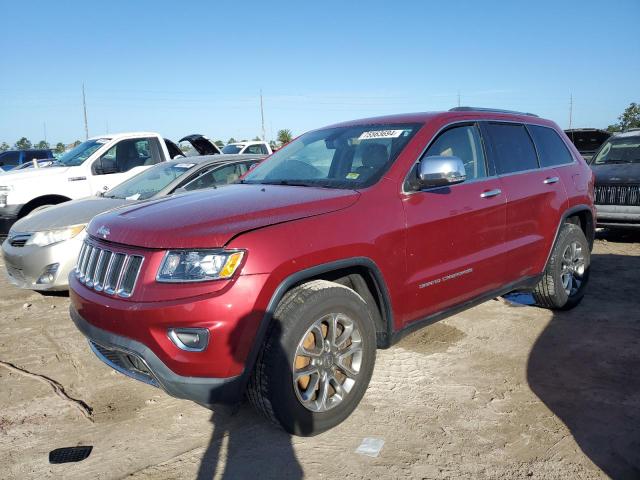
(48, 274)
(189, 339)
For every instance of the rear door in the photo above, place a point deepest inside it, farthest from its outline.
(455, 234)
(535, 197)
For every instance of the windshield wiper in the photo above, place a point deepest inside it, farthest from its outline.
(293, 183)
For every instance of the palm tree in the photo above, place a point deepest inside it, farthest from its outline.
(284, 136)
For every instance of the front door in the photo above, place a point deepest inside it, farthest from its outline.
(455, 234)
(125, 159)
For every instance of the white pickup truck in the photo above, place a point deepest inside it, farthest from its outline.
(95, 165)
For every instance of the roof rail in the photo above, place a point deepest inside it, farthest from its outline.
(493, 110)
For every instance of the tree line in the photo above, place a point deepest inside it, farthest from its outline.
(284, 136)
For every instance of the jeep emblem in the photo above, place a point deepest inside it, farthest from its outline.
(104, 231)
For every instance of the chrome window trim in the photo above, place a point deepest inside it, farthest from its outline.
(491, 177)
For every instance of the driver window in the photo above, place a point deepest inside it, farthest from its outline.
(462, 142)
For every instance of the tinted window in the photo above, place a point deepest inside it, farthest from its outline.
(462, 142)
(9, 158)
(263, 150)
(232, 149)
(513, 149)
(216, 176)
(551, 149)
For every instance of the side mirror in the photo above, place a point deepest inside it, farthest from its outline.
(440, 171)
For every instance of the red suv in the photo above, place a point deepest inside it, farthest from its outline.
(282, 286)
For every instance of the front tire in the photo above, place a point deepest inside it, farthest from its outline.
(567, 274)
(317, 359)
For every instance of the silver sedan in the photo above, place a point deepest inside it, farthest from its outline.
(42, 248)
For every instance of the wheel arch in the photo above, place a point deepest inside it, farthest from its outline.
(580, 215)
(39, 201)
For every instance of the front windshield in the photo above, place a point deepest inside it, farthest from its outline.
(340, 157)
(232, 149)
(78, 155)
(619, 150)
(151, 181)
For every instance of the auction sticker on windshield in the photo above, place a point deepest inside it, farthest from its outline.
(184, 165)
(380, 134)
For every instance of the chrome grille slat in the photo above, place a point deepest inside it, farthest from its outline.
(114, 273)
(617, 195)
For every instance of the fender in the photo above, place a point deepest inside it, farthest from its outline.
(299, 277)
(571, 211)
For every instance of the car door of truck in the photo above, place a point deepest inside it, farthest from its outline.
(455, 234)
(123, 160)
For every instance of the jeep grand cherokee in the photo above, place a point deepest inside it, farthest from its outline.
(283, 286)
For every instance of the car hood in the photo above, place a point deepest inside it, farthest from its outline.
(32, 173)
(211, 218)
(617, 173)
(66, 214)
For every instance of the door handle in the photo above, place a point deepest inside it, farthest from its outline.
(491, 193)
(550, 180)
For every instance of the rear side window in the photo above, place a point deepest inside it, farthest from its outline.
(512, 148)
(551, 149)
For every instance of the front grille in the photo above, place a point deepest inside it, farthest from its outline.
(19, 240)
(617, 195)
(124, 362)
(104, 270)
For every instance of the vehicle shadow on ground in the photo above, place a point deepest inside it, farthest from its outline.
(244, 444)
(585, 366)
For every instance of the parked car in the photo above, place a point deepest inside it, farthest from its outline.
(345, 240)
(256, 148)
(587, 140)
(93, 166)
(44, 162)
(13, 158)
(617, 190)
(43, 247)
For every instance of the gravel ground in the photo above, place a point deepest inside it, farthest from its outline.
(500, 391)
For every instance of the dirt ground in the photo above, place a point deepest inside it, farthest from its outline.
(500, 391)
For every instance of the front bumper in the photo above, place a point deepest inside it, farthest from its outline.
(8, 216)
(25, 265)
(136, 360)
(619, 216)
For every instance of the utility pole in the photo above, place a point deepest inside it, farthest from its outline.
(84, 106)
(44, 124)
(458, 97)
(107, 125)
(570, 110)
(262, 114)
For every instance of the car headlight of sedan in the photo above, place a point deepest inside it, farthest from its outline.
(49, 237)
(198, 265)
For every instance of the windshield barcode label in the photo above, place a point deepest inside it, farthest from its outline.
(380, 134)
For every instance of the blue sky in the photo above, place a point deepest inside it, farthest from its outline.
(187, 67)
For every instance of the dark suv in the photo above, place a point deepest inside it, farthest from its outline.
(617, 192)
(14, 158)
(351, 236)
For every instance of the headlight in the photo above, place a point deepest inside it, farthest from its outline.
(49, 237)
(198, 265)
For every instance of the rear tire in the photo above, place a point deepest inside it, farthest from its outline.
(325, 329)
(567, 274)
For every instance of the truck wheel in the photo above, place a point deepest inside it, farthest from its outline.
(317, 359)
(564, 281)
